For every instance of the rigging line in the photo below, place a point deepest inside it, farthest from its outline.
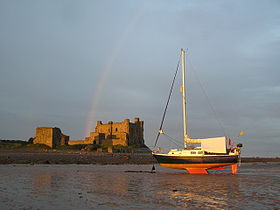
(172, 140)
(208, 100)
(169, 96)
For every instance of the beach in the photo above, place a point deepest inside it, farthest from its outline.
(73, 186)
(34, 179)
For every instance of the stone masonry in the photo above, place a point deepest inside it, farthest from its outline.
(121, 133)
(51, 137)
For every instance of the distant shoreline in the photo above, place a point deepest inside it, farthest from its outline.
(19, 156)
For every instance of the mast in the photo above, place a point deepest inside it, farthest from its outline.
(184, 99)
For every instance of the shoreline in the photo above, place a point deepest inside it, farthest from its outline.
(72, 157)
(18, 156)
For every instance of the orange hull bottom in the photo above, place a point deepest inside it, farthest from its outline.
(201, 168)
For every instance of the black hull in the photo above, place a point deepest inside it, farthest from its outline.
(215, 159)
(198, 164)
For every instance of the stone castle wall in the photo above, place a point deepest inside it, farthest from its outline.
(121, 133)
(51, 137)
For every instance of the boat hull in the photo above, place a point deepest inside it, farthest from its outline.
(197, 164)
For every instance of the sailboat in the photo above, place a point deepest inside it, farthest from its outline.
(211, 154)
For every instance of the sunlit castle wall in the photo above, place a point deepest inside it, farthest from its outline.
(120, 133)
(51, 137)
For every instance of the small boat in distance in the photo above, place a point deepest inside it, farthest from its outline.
(211, 154)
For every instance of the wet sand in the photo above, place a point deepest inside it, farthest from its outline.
(18, 156)
(72, 186)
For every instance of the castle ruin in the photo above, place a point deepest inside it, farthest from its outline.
(52, 137)
(124, 133)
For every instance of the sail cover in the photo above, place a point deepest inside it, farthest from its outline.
(215, 145)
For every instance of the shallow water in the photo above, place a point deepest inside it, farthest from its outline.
(110, 187)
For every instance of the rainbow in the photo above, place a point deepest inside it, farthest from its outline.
(106, 70)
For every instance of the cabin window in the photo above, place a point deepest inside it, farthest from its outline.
(116, 129)
(200, 152)
(193, 153)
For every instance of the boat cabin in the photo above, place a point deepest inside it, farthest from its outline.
(197, 151)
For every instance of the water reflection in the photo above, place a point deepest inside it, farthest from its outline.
(41, 182)
(203, 191)
(101, 187)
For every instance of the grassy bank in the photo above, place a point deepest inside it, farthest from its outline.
(28, 145)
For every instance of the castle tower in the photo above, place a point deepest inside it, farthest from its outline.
(51, 137)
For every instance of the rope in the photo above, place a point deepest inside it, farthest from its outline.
(167, 103)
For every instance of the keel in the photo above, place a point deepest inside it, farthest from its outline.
(197, 171)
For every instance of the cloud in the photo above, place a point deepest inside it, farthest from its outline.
(53, 53)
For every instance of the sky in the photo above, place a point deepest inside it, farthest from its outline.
(71, 63)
